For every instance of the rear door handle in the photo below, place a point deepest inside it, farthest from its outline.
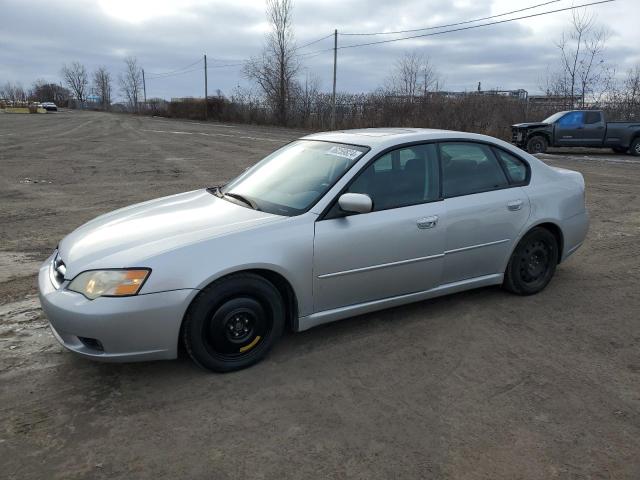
(514, 205)
(427, 222)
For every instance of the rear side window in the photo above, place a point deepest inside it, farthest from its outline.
(515, 168)
(592, 117)
(469, 168)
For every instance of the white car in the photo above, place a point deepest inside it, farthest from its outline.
(329, 226)
(50, 106)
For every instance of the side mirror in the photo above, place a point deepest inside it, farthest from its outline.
(355, 203)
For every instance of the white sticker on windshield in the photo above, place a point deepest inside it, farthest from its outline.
(344, 152)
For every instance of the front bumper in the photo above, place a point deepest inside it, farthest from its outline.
(141, 327)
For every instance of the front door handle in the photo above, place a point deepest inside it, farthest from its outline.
(427, 222)
(515, 205)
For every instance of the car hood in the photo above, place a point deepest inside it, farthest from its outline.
(530, 125)
(126, 237)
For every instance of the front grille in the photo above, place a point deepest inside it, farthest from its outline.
(517, 136)
(58, 270)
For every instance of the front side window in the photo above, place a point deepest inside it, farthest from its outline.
(292, 179)
(572, 119)
(407, 176)
(469, 168)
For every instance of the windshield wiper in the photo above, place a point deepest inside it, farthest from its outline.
(216, 190)
(243, 199)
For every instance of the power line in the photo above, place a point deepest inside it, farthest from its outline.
(224, 66)
(452, 24)
(162, 74)
(461, 28)
(316, 52)
(174, 74)
(324, 38)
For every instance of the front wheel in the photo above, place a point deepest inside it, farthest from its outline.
(635, 147)
(537, 144)
(233, 323)
(532, 263)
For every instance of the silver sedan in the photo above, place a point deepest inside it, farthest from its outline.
(329, 226)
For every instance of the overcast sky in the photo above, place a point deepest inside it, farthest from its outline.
(38, 36)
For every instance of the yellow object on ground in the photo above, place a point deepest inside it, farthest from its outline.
(17, 109)
(21, 110)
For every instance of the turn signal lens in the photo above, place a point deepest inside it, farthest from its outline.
(109, 283)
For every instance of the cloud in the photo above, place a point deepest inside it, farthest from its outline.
(39, 36)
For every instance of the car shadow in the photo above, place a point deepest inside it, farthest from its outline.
(293, 346)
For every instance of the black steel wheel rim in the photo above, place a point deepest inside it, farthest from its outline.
(537, 146)
(535, 262)
(236, 327)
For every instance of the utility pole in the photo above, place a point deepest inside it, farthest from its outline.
(144, 88)
(206, 99)
(335, 65)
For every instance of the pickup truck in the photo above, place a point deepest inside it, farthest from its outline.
(577, 128)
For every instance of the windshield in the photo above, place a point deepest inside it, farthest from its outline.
(553, 117)
(293, 178)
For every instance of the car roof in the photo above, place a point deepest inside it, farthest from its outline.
(386, 137)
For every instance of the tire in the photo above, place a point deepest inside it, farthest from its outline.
(532, 263)
(635, 147)
(233, 323)
(619, 150)
(537, 144)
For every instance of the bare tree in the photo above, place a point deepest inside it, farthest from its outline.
(131, 82)
(13, 92)
(307, 95)
(75, 76)
(429, 77)
(583, 71)
(44, 91)
(413, 75)
(632, 87)
(274, 71)
(102, 86)
(627, 96)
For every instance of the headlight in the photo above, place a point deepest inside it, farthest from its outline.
(109, 283)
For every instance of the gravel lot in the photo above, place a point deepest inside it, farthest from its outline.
(479, 385)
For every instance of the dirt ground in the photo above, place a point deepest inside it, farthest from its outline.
(478, 385)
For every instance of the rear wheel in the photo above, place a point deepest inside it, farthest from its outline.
(635, 147)
(537, 144)
(532, 263)
(233, 323)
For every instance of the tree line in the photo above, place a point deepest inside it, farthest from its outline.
(411, 94)
(78, 84)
